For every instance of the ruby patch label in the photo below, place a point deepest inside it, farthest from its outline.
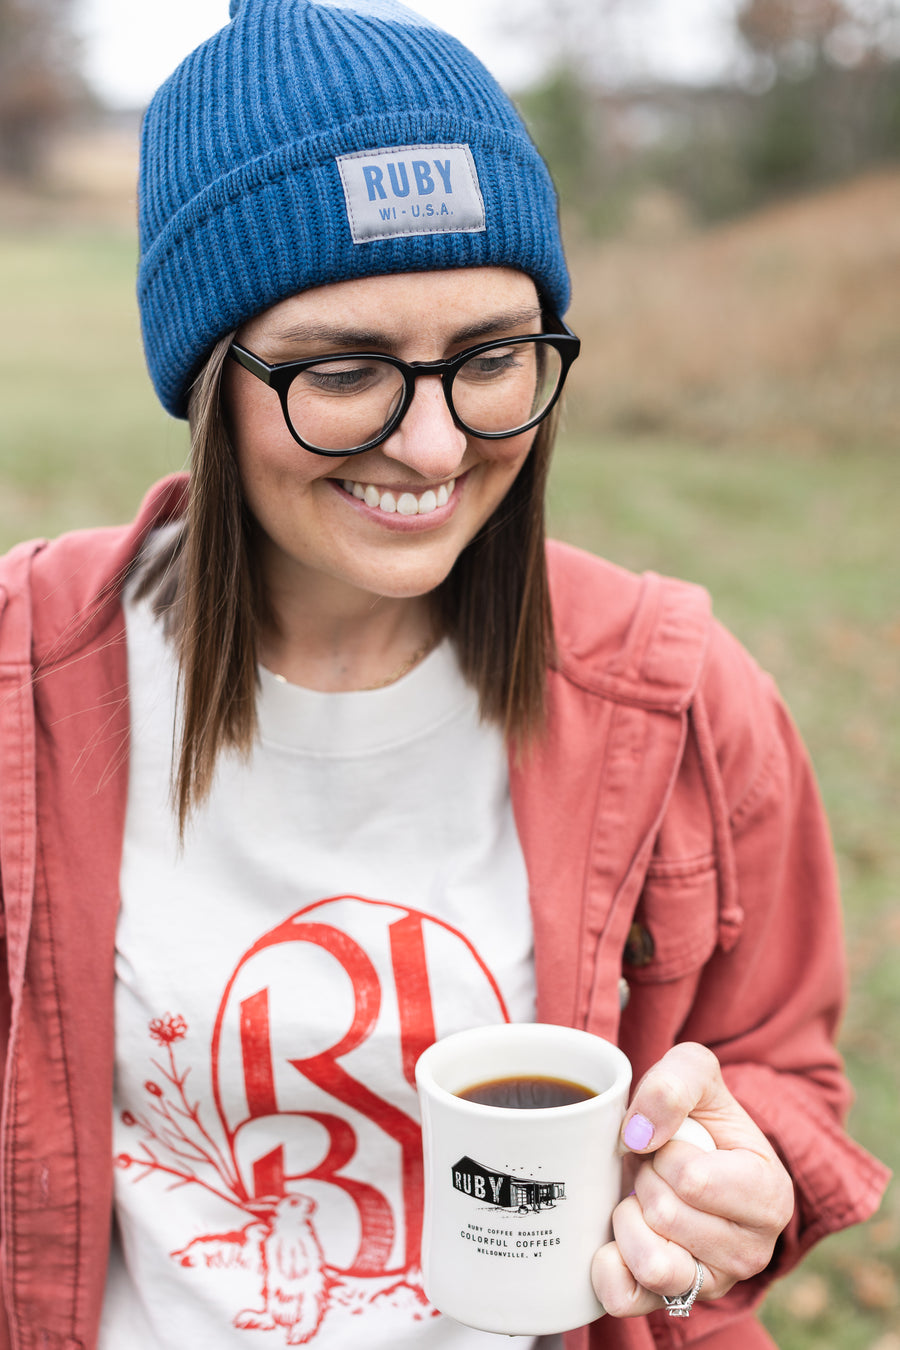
(411, 189)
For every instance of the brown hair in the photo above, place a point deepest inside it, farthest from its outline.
(206, 585)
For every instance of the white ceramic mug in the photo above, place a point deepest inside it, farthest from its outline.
(518, 1200)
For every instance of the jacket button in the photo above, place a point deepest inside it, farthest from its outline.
(640, 948)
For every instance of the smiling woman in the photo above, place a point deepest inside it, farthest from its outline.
(331, 754)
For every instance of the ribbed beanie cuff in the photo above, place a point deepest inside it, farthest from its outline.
(310, 141)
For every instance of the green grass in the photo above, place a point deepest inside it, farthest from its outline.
(799, 551)
(81, 434)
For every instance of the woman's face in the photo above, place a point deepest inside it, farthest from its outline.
(328, 522)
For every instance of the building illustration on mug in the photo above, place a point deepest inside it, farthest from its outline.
(503, 1190)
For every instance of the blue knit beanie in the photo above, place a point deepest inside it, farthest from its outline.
(314, 140)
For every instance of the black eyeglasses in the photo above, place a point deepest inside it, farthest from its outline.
(344, 404)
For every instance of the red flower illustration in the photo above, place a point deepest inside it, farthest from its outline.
(168, 1028)
(172, 1125)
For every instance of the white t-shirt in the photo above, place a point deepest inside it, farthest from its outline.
(350, 892)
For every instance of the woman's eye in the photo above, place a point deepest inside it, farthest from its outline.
(340, 379)
(490, 365)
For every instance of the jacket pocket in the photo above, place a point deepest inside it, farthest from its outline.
(675, 926)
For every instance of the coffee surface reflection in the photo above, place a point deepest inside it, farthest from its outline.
(528, 1094)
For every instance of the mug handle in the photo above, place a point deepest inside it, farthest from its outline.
(690, 1131)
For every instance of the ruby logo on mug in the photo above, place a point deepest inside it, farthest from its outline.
(503, 1191)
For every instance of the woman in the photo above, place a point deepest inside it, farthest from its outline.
(327, 756)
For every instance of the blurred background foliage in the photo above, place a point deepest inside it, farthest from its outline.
(812, 95)
(734, 418)
(41, 83)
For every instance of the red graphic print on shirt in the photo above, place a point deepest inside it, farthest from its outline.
(312, 1128)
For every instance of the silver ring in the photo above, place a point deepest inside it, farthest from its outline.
(681, 1304)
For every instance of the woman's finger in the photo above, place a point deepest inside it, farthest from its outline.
(687, 1081)
(631, 1274)
(724, 1209)
(746, 1187)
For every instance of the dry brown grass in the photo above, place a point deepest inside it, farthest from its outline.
(784, 325)
(87, 179)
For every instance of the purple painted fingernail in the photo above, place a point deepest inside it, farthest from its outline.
(638, 1133)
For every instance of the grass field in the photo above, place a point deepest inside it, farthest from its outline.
(797, 540)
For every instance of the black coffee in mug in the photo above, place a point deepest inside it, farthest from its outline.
(526, 1093)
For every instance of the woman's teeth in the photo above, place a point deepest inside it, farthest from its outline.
(403, 503)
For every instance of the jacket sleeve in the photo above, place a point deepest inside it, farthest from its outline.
(768, 1001)
(738, 944)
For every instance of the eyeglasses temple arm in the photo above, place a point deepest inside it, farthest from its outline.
(250, 362)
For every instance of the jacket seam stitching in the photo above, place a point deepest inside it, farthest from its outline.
(741, 815)
(51, 944)
(730, 913)
(675, 705)
(678, 869)
(12, 1114)
(12, 1198)
(585, 977)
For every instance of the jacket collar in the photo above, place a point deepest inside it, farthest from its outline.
(640, 640)
(77, 591)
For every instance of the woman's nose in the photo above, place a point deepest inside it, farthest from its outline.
(428, 440)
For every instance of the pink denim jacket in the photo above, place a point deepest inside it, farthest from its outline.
(680, 871)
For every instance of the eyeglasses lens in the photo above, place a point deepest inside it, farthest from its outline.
(338, 405)
(343, 403)
(505, 388)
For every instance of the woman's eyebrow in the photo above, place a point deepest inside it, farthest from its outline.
(328, 335)
(498, 323)
(362, 339)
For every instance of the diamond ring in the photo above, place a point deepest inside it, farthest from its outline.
(681, 1304)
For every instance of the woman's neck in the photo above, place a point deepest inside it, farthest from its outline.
(350, 646)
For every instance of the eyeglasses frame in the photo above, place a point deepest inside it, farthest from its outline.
(280, 376)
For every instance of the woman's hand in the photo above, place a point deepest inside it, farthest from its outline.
(726, 1208)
